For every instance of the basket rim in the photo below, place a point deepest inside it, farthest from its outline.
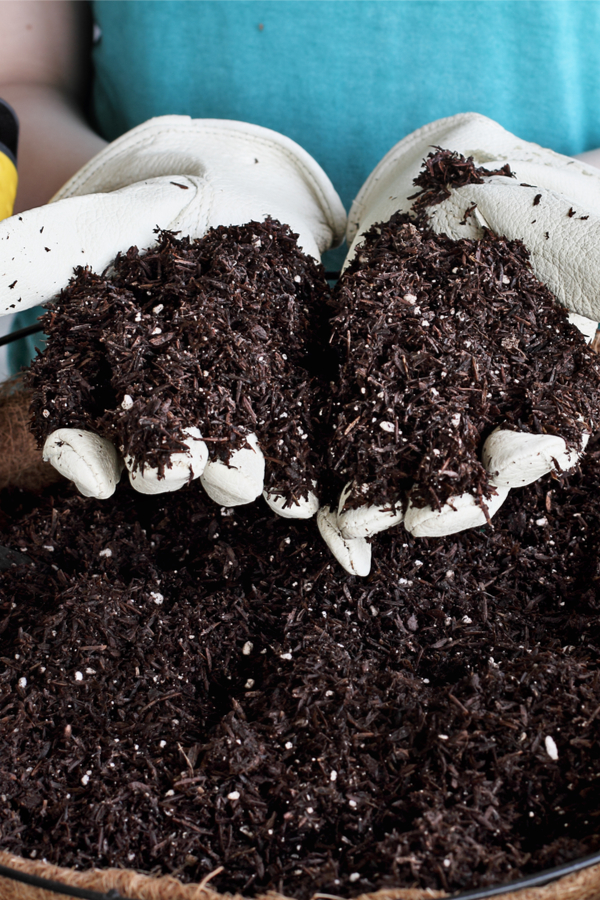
(526, 882)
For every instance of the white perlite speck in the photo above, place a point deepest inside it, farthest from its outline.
(233, 795)
(247, 648)
(157, 597)
(551, 748)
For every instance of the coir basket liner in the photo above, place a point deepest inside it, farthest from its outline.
(582, 884)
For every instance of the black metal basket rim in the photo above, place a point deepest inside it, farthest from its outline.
(20, 333)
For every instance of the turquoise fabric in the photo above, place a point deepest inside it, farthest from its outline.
(347, 79)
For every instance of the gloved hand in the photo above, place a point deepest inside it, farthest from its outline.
(553, 206)
(184, 176)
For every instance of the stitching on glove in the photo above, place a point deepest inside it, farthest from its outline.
(203, 201)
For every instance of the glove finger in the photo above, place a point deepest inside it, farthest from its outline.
(365, 520)
(238, 482)
(458, 514)
(303, 508)
(516, 458)
(40, 248)
(181, 469)
(86, 459)
(353, 554)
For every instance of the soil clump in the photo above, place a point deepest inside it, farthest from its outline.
(441, 342)
(220, 333)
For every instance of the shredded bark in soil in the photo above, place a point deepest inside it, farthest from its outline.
(442, 341)
(445, 169)
(183, 688)
(221, 333)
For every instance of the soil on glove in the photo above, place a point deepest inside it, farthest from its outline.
(445, 170)
(183, 689)
(221, 333)
(441, 342)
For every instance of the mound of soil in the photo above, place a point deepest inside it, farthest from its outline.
(183, 688)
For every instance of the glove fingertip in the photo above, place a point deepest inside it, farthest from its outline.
(353, 554)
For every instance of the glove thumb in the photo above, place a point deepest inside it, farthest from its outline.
(40, 247)
(564, 243)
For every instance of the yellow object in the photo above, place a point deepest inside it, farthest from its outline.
(9, 139)
(8, 185)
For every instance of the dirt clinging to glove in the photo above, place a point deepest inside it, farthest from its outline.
(442, 341)
(444, 170)
(182, 689)
(221, 333)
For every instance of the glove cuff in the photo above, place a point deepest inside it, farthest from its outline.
(238, 155)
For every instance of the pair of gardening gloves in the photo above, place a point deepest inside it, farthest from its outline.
(187, 176)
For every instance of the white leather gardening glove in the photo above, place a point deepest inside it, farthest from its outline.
(182, 175)
(553, 206)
